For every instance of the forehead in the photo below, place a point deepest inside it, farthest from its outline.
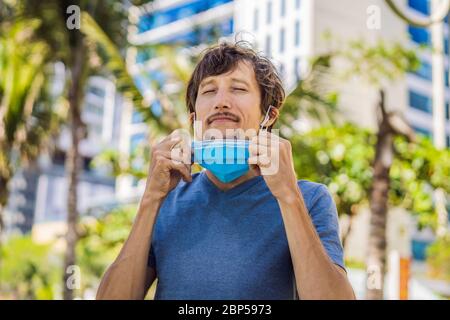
(243, 72)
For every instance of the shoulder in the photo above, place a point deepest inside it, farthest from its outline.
(316, 196)
(323, 213)
(312, 190)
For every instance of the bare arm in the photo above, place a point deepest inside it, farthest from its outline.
(317, 277)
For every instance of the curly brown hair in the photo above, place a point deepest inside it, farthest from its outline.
(223, 58)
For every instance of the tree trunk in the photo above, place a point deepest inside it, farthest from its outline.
(73, 167)
(3, 202)
(376, 259)
(5, 177)
(347, 232)
(5, 171)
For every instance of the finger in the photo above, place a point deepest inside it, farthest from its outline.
(182, 169)
(168, 165)
(252, 160)
(262, 139)
(167, 143)
(253, 149)
(259, 150)
(264, 160)
(260, 160)
(169, 155)
(185, 146)
(181, 153)
(172, 141)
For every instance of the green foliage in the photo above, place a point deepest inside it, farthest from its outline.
(378, 64)
(438, 258)
(32, 271)
(27, 119)
(355, 264)
(341, 158)
(28, 270)
(100, 242)
(418, 169)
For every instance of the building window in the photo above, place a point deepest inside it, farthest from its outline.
(419, 35)
(269, 12)
(297, 33)
(255, 20)
(297, 69)
(134, 182)
(206, 34)
(268, 46)
(185, 10)
(422, 131)
(283, 8)
(93, 109)
(136, 117)
(282, 70)
(424, 71)
(282, 34)
(136, 140)
(420, 5)
(156, 108)
(420, 102)
(96, 91)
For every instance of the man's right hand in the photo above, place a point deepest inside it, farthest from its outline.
(170, 162)
(129, 277)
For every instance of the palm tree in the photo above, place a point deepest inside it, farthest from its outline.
(80, 56)
(26, 117)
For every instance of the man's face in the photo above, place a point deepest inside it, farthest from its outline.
(229, 101)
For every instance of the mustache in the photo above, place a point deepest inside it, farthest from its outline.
(225, 114)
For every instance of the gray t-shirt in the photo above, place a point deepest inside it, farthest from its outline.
(214, 244)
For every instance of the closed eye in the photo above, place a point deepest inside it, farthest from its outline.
(240, 89)
(208, 91)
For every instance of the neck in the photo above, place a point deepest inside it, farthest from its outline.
(227, 186)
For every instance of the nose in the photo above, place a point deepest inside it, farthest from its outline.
(222, 101)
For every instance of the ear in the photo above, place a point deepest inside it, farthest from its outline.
(191, 118)
(274, 113)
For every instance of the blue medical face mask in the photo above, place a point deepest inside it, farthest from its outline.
(227, 159)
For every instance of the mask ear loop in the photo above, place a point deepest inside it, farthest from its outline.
(263, 126)
(193, 140)
(195, 121)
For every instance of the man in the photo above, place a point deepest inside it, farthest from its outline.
(262, 235)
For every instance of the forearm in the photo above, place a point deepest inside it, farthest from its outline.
(317, 277)
(126, 277)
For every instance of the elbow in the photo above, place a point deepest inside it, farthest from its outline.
(344, 289)
(101, 292)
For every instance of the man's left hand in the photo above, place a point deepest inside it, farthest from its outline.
(272, 156)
